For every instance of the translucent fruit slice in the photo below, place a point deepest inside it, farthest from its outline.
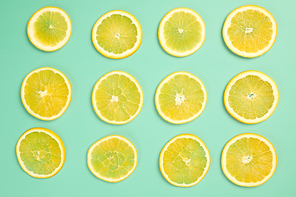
(117, 34)
(249, 31)
(248, 160)
(117, 97)
(40, 152)
(184, 160)
(49, 29)
(180, 97)
(46, 93)
(112, 158)
(251, 97)
(181, 32)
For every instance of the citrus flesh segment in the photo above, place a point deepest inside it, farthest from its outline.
(248, 160)
(112, 158)
(46, 93)
(49, 28)
(184, 160)
(117, 34)
(117, 97)
(180, 97)
(181, 32)
(251, 97)
(40, 152)
(249, 31)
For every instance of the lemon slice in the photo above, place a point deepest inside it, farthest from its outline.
(184, 160)
(181, 32)
(46, 93)
(248, 160)
(49, 29)
(112, 158)
(251, 97)
(249, 31)
(117, 34)
(40, 152)
(180, 97)
(117, 97)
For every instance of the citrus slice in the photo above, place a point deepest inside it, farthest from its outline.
(251, 97)
(46, 93)
(117, 97)
(249, 31)
(49, 29)
(248, 160)
(184, 160)
(112, 158)
(180, 97)
(40, 152)
(181, 32)
(117, 34)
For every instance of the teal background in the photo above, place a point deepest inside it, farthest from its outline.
(80, 127)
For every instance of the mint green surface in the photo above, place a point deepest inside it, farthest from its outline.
(79, 127)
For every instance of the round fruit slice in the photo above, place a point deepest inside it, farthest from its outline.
(249, 31)
(117, 34)
(184, 160)
(49, 29)
(117, 97)
(251, 97)
(40, 152)
(181, 32)
(248, 160)
(180, 97)
(112, 158)
(46, 93)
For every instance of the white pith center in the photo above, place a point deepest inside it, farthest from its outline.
(249, 30)
(50, 27)
(42, 94)
(114, 98)
(179, 99)
(117, 36)
(246, 159)
(251, 96)
(180, 30)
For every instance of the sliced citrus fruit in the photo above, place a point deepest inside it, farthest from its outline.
(49, 29)
(46, 93)
(249, 31)
(40, 152)
(181, 32)
(112, 158)
(251, 97)
(117, 97)
(184, 160)
(180, 97)
(117, 34)
(248, 160)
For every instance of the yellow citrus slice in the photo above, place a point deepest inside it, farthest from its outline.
(184, 160)
(180, 97)
(117, 97)
(249, 31)
(46, 93)
(117, 34)
(112, 158)
(248, 160)
(49, 29)
(181, 32)
(251, 97)
(40, 152)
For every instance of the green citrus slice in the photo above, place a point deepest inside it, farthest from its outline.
(249, 31)
(251, 97)
(49, 29)
(248, 160)
(117, 97)
(40, 152)
(117, 34)
(184, 160)
(181, 97)
(112, 158)
(181, 32)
